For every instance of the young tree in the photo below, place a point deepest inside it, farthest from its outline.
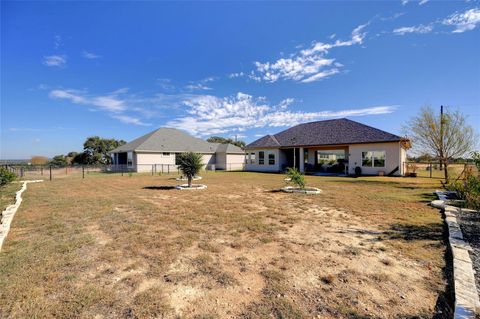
(443, 136)
(190, 165)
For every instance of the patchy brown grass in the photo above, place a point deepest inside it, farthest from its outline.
(125, 247)
(7, 195)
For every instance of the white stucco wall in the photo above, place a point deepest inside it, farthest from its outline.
(266, 167)
(235, 161)
(143, 162)
(394, 156)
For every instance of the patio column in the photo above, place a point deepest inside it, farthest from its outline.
(302, 160)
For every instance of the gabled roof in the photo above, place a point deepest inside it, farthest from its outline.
(329, 132)
(228, 148)
(172, 140)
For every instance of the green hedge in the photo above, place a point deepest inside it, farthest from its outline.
(6, 176)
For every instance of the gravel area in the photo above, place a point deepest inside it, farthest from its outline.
(470, 225)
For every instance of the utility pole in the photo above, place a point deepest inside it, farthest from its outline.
(441, 137)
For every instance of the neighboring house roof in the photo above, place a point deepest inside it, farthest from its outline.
(330, 132)
(172, 140)
(228, 148)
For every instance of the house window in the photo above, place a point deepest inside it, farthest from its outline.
(165, 154)
(305, 156)
(129, 159)
(177, 158)
(373, 159)
(271, 159)
(252, 158)
(261, 158)
(379, 159)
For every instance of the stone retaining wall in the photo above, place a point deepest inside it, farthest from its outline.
(466, 295)
(9, 212)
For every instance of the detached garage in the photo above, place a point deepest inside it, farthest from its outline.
(159, 150)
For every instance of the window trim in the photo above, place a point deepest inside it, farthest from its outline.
(252, 157)
(372, 159)
(261, 158)
(271, 157)
(129, 159)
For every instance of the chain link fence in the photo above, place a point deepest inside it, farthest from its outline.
(48, 172)
(435, 169)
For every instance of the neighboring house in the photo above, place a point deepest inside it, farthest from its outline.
(161, 148)
(350, 143)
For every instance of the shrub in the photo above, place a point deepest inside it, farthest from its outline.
(296, 178)
(468, 190)
(6, 176)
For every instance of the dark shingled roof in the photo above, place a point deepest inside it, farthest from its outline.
(330, 132)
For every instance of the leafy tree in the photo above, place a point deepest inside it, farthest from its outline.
(476, 159)
(39, 160)
(6, 176)
(223, 140)
(296, 178)
(442, 137)
(96, 149)
(58, 160)
(190, 165)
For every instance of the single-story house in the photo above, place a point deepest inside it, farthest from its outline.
(159, 150)
(331, 146)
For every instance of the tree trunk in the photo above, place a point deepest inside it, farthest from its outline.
(445, 170)
(189, 181)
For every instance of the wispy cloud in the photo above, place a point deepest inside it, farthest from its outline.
(463, 21)
(413, 29)
(55, 60)
(57, 42)
(307, 65)
(200, 85)
(404, 2)
(130, 120)
(422, 2)
(207, 114)
(111, 103)
(90, 55)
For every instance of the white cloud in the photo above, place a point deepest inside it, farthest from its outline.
(464, 21)
(57, 42)
(404, 2)
(130, 120)
(55, 60)
(307, 65)
(197, 87)
(422, 2)
(414, 29)
(207, 114)
(111, 103)
(90, 55)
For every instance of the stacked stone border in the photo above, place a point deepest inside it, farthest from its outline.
(9, 212)
(467, 302)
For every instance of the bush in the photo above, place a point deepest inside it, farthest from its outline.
(296, 178)
(6, 176)
(468, 190)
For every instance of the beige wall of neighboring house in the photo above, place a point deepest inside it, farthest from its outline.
(235, 162)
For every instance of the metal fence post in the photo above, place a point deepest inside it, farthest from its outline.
(431, 169)
(168, 169)
(152, 169)
(50, 172)
(83, 171)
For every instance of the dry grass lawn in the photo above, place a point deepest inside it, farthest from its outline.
(132, 247)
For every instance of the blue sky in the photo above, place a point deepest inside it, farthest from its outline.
(70, 70)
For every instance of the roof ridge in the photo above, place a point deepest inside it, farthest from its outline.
(274, 139)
